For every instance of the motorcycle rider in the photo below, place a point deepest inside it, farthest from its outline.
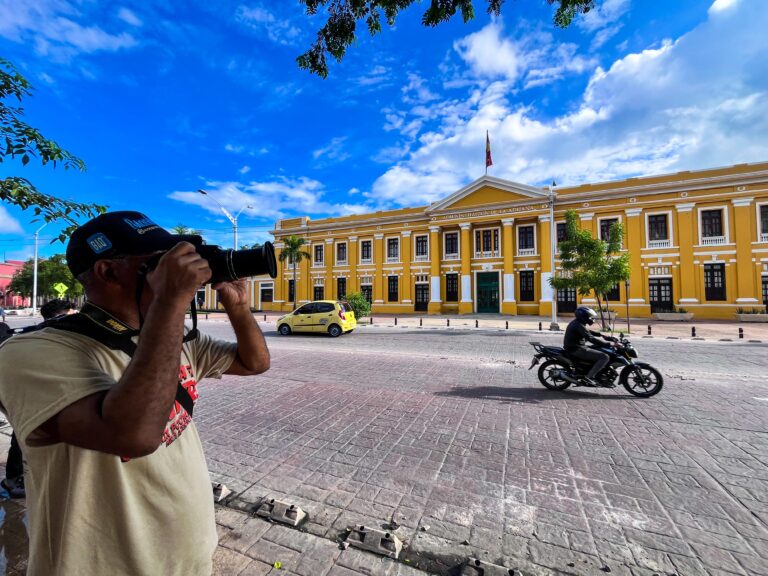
(577, 335)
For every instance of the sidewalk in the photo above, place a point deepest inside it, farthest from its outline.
(705, 329)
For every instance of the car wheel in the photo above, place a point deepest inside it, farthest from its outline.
(284, 329)
(334, 330)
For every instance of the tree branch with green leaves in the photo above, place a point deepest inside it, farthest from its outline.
(340, 29)
(20, 141)
(591, 265)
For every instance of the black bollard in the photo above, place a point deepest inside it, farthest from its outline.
(265, 317)
(693, 331)
(507, 324)
(371, 319)
(475, 323)
(447, 321)
(741, 332)
(539, 326)
(395, 320)
(421, 320)
(649, 329)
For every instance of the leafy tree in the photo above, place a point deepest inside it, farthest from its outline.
(294, 254)
(359, 303)
(591, 264)
(50, 272)
(253, 246)
(339, 31)
(182, 229)
(19, 140)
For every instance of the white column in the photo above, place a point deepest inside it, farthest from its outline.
(466, 288)
(547, 293)
(435, 291)
(509, 287)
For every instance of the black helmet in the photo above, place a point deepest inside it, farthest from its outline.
(585, 315)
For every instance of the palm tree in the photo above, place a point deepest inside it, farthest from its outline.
(182, 229)
(292, 251)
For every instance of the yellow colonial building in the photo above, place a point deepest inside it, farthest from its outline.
(697, 240)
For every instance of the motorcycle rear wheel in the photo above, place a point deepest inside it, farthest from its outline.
(642, 380)
(548, 375)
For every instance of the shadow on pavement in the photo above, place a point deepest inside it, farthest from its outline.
(528, 395)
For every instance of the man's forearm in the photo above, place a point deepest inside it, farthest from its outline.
(139, 405)
(252, 351)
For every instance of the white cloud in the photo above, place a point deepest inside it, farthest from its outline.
(246, 150)
(603, 15)
(333, 151)
(534, 58)
(722, 6)
(245, 170)
(489, 55)
(9, 224)
(692, 102)
(261, 20)
(603, 21)
(52, 27)
(271, 200)
(129, 17)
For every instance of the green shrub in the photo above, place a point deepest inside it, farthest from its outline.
(359, 304)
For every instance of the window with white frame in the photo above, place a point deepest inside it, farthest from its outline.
(658, 231)
(366, 287)
(451, 244)
(393, 249)
(605, 228)
(526, 240)
(341, 253)
(763, 220)
(422, 248)
(712, 227)
(487, 243)
(561, 232)
(319, 254)
(366, 253)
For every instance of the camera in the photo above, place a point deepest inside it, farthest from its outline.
(228, 265)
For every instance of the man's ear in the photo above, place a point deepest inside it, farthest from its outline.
(105, 271)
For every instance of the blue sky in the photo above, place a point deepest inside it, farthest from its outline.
(162, 100)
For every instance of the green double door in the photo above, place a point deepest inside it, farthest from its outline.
(488, 292)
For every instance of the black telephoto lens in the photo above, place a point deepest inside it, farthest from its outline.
(230, 265)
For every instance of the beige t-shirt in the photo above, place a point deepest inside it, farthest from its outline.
(92, 513)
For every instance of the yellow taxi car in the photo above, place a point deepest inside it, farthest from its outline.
(329, 316)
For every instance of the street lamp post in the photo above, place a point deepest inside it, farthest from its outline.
(553, 325)
(626, 296)
(229, 216)
(34, 273)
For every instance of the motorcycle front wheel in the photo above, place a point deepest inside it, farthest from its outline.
(642, 380)
(549, 375)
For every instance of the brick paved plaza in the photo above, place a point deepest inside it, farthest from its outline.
(447, 433)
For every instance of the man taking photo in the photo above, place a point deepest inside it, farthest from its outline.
(116, 478)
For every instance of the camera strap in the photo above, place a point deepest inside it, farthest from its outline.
(101, 326)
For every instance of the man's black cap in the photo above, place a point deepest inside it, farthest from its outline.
(112, 234)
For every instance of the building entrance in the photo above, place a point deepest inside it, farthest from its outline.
(566, 300)
(765, 290)
(660, 295)
(422, 298)
(488, 292)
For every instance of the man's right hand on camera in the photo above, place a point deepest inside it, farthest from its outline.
(179, 274)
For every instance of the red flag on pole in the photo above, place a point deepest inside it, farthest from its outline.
(488, 159)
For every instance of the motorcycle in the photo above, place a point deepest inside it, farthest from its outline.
(559, 370)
